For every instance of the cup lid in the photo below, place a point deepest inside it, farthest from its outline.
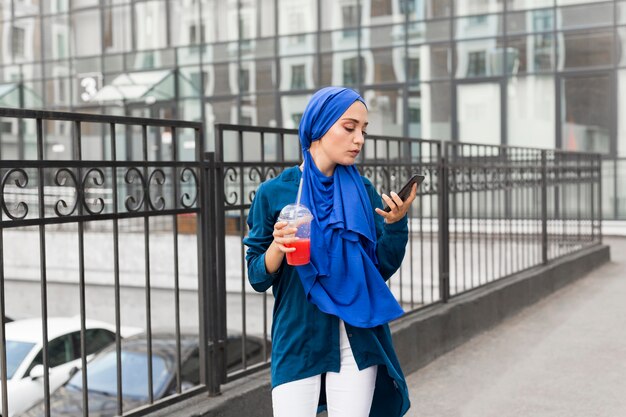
(293, 212)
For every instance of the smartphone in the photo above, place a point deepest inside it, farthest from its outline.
(406, 188)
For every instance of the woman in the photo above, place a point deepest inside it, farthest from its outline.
(331, 344)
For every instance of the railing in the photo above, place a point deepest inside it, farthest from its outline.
(53, 201)
(614, 188)
(483, 213)
(120, 220)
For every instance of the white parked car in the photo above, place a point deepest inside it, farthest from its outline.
(25, 357)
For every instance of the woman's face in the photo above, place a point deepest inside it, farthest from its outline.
(343, 141)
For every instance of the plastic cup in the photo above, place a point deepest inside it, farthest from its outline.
(299, 217)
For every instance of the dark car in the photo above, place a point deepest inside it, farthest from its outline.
(102, 374)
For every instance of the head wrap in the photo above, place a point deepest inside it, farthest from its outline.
(342, 278)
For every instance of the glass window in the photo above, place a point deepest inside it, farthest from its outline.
(586, 113)
(585, 49)
(429, 31)
(87, 38)
(478, 109)
(297, 16)
(621, 116)
(385, 113)
(434, 61)
(117, 29)
(528, 4)
(428, 9)
(532, 53)
(218, 111)
(382, 36)
(531, 111)
(150, 25)
(101, 374)
(467, 7)
(621, 12)
(222, 79)
(60, 351)
(292, 109)
(585, 16)
(388, 66)
(352, 74)
(430, 111)
(77, 4)
(298, 79)
(188, 29)
(220, 19)
(621, 41)
(480, 58)
(480, 26)
(16, 352)
(570, 2)
(96, 340)
(338, 15)
(56, 37)
(336, 41)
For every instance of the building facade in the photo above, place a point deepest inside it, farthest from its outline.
(541, 73)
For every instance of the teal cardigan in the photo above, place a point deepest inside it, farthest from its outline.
(305, 341)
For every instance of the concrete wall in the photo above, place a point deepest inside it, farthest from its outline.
(419, 337)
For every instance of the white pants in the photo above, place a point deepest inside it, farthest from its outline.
(349, 392)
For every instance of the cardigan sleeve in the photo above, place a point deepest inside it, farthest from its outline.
(391, 238)
(261, 225)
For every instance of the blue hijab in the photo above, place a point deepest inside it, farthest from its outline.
(342, 278)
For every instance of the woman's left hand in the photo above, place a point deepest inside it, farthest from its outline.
(398, 207)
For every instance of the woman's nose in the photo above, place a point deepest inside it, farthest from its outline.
(359, 138)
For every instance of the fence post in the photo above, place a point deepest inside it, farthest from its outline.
(444, 218)
(544, 207)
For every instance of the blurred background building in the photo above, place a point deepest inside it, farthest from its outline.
(540, 73)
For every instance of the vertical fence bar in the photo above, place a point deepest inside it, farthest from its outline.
(82, 183)
(544, 208)
(43, 269)
(3, 340)
(176, 272)
(444, 237)
(116, 269)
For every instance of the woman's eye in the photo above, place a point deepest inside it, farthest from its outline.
(349, 129)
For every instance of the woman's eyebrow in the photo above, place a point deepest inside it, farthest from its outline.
(357, 121)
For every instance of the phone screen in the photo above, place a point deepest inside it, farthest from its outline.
(406, 188)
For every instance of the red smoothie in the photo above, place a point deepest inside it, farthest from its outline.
(302, 254)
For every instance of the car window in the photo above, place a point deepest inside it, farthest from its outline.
(60, 351)
(190, 369)
(16, 352)
(95, 339)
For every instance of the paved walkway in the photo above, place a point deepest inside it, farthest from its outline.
(562, 357)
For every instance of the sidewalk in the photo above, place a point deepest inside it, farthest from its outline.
(562, 357)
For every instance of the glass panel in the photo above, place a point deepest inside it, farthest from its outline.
(531, 120)
(57, 6)
(621, 41)
(342, 68)
(569, 2)
(621, 116)
(220, 20)
(467, 7)
(222, 79)
(528, 4)
(382, 36)
(479, 58)
(297, 44)
(23, 8)
(429, 62)
(478, 110)
(384, 112)
(387, 66)
(222, 111)
(338, 40)
(117, 29)
(586, 113)
(480, 26)
(150, 25)
(621, 12)
(56, 37)
(189, 29)
(585, 49)
(436, 30)
(429, 9)
(532, 53)
(430, 111)
(297, 73)
(190, 82)
(23, 41)
(339, 15)
(384, 11)
(292, 108)
(297, 16)
(86, 33)
(530, 21)
(585, 16)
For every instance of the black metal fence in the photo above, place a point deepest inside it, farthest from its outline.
(614, 188)
(483, 213)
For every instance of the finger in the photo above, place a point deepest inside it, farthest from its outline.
(397, 199)
(284, 248)
(280, 225)
(389, 201)
(413, 195)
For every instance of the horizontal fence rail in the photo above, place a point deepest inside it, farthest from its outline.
(483, 213)
(142, 172)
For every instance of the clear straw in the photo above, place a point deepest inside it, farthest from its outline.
(295, 215)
